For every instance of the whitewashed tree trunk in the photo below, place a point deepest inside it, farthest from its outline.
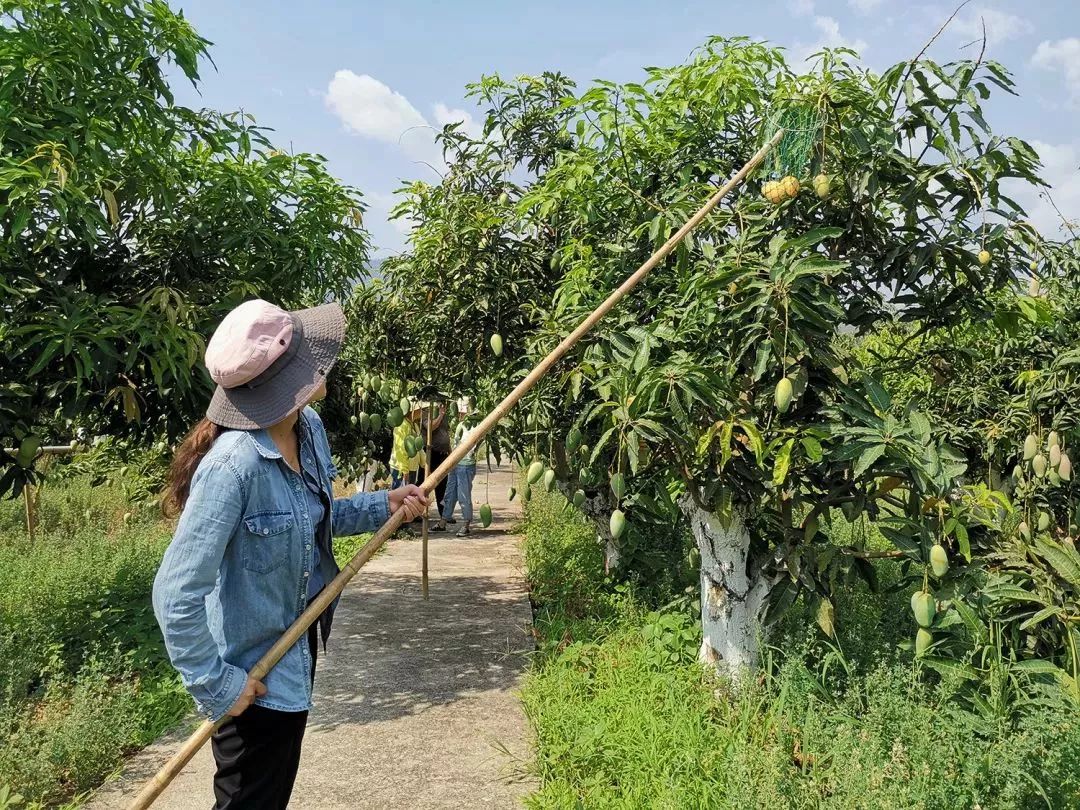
(598, 510)
(732, 592)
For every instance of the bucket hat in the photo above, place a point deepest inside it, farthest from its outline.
(267, 361)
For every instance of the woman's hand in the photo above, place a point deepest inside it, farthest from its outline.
(252, 690)
(410, 498)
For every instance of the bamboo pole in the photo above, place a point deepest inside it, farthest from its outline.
(424, 526)
(153, 788)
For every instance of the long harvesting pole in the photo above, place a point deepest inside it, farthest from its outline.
(153, 788)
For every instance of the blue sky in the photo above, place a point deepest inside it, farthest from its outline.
(360, 82)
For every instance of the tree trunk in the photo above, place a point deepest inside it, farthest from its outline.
(598, 510)
(732, 593)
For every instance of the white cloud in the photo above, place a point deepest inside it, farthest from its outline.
(1060, 169)
(371, 109)
(445, 115)
(801, 8)
(1000, 25)
(829, 36)
(865, 6)
(1062, 56)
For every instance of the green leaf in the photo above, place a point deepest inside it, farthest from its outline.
(1041, 616)
(1066, 562)
(782, 463)
(812, 447)
(962, 541)
(947, 666)
(725, 443)
(757, 443)
(879, 397)
(826, 617)
(868, 457)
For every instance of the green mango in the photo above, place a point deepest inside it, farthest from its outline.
(375, 383)
(618, 485)
(376, 423)
(783, 394)
(405, 405)
(924, 608)
(1038, 465)
(579, 498)
(549, 480)
(923, 639)
(28, 449)
(496, 344)
(1031, 446)
(1044, 521)
(617, 524)
(395, 417)
(573, 439)
(939, 560)
(485, 515)
(536, 471)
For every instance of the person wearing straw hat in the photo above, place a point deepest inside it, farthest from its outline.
(251, 484)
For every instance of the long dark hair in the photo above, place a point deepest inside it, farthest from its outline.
(188, 455)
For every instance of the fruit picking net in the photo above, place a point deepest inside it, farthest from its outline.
(803, 143)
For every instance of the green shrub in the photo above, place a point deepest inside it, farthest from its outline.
(84, 678)
(624, 716)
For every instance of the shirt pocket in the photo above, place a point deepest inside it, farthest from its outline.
(266, 540)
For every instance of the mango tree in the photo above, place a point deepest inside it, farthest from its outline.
(130, 224)
(724, 393)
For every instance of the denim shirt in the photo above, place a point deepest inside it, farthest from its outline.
(236, 573)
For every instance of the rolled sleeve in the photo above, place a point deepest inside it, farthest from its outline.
(188, 574)
(363, 512)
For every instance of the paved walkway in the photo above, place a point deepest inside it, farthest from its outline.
(415, 702)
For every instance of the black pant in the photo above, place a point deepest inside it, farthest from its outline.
(258, 753)
(438, 458)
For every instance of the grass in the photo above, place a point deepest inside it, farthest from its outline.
(625, 717)
(84, 678)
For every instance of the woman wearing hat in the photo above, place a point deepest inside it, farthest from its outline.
(252, 486)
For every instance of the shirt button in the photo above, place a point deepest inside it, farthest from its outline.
(306, 575)
(266, 531)
(307, 547)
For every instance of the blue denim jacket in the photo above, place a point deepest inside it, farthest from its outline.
(235, 574)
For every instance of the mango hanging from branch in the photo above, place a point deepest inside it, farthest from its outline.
(535, 473)
(924, 608)
(617, 524)
(783, 394)
(1031, 446)
(939, 560)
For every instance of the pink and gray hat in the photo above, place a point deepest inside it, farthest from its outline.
(267, 362)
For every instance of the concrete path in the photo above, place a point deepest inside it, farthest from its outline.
(415, 702)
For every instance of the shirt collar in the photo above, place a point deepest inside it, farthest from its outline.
(265, 445)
